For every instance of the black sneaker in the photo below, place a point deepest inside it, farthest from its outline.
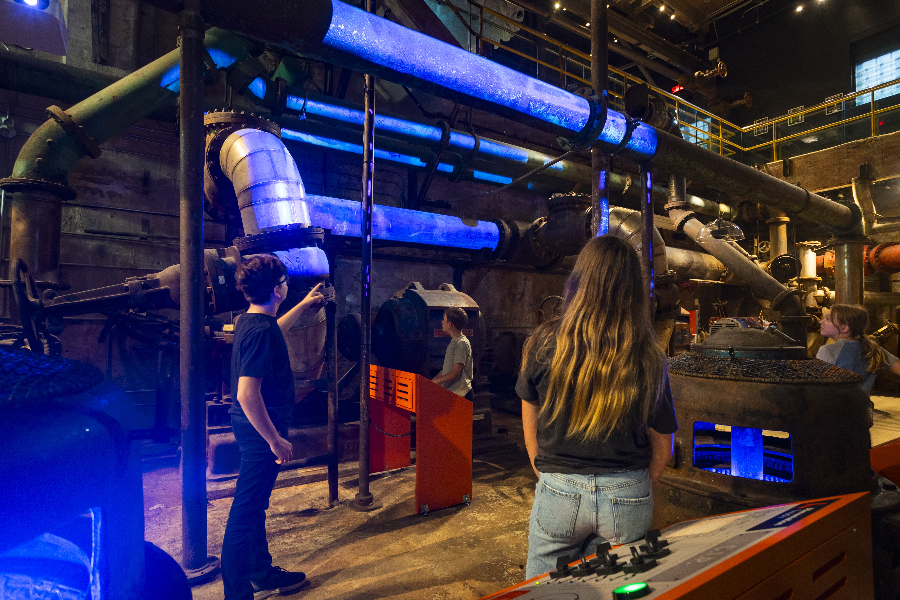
(278, 581)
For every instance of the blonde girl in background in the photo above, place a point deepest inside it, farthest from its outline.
(596, 409)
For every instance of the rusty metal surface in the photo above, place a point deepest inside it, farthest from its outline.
(809, 372)
(829, 443)
(678, 156)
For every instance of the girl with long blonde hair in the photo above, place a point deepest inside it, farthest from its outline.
(596, 409)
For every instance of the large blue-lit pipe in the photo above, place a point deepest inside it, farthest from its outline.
(403, 225)
(423, 134)
(375, 45)
(270, 193)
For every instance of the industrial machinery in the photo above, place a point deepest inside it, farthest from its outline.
(71, 503)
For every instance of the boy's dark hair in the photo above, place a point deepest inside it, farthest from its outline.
(456, 317)
(258, 275)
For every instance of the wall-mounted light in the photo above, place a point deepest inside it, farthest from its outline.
(556, 6)
(662, 8)
(673, 16)
(800, 8)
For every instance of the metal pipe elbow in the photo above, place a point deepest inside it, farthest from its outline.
(266, 181)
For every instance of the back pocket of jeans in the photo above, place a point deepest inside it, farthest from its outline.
(556, 511)
(632, 517)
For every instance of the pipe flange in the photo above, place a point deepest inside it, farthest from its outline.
(18, 184)
(776, 302)
(280, 238)
(75, 130)
(676, 203)
(682, 220)
(778, 219)
(594, 126)
(234, 121)
(503, 244)
(854, 228)
(874, 256)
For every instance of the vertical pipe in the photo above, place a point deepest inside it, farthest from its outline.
(600, 83)
(193, 400)
(778, 238)
(363, 497)
(647, 230)
(332, 377)
(848, 271)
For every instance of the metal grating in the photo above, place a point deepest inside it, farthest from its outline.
(810, 372)
(28, 376)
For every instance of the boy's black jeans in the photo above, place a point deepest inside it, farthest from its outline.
(245, 550)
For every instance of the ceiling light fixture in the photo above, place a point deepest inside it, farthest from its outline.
(673, 16)
(800, 8)
(662, 8)
(587, 25)
(557, 5)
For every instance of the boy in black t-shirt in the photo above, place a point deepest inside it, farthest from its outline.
(262, 387)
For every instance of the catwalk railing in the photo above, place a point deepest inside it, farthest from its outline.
(837, 120)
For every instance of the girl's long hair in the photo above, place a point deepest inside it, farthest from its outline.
(607, 369)
(856, 319)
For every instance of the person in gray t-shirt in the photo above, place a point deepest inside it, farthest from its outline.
(457, 373)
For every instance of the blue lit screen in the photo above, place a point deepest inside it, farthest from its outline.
(746, 452)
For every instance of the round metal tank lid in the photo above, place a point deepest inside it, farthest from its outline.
(746, 342)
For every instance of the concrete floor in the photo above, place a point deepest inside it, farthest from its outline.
(461, 552)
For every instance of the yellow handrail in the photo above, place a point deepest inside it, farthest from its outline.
(726, 129)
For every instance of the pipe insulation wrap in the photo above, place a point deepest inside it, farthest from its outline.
(303, 263)
(416, 56)
(626, 224)
(403, 225)
(266, 181)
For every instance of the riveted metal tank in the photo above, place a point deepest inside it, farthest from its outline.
(407, 332)
(760, 425)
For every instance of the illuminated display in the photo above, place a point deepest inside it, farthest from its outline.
(746, 452)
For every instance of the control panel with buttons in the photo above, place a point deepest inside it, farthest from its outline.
(818, 548)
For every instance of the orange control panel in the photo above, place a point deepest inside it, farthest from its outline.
(802, 551)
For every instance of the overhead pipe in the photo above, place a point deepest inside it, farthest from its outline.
(783, 299)
(363, 41)
(40, 175)
(881, 258)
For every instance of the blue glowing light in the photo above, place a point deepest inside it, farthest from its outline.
(383, 124)
(462, 141)
(503, 151)
(31, 2)
(304, 262)
(331, 144)
(342, 217)
(258, 87)
(491, 177)
(603, 186)
(222, 59)
(747, 452)
(410, 53)
(171, 79)
(642, 141)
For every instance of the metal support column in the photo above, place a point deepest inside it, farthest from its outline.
(197, 564)
(778, 233)
(647, 229)
(364, 498)
(600, 84)
(331, 358)
(848, 271)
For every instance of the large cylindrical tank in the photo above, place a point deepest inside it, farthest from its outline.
(759, 427)
(407, 333)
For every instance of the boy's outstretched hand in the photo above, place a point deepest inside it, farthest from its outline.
(314, 299)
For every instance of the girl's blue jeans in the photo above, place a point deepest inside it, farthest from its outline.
(618, 507)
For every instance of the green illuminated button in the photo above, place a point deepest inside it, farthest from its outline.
(632, 590)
